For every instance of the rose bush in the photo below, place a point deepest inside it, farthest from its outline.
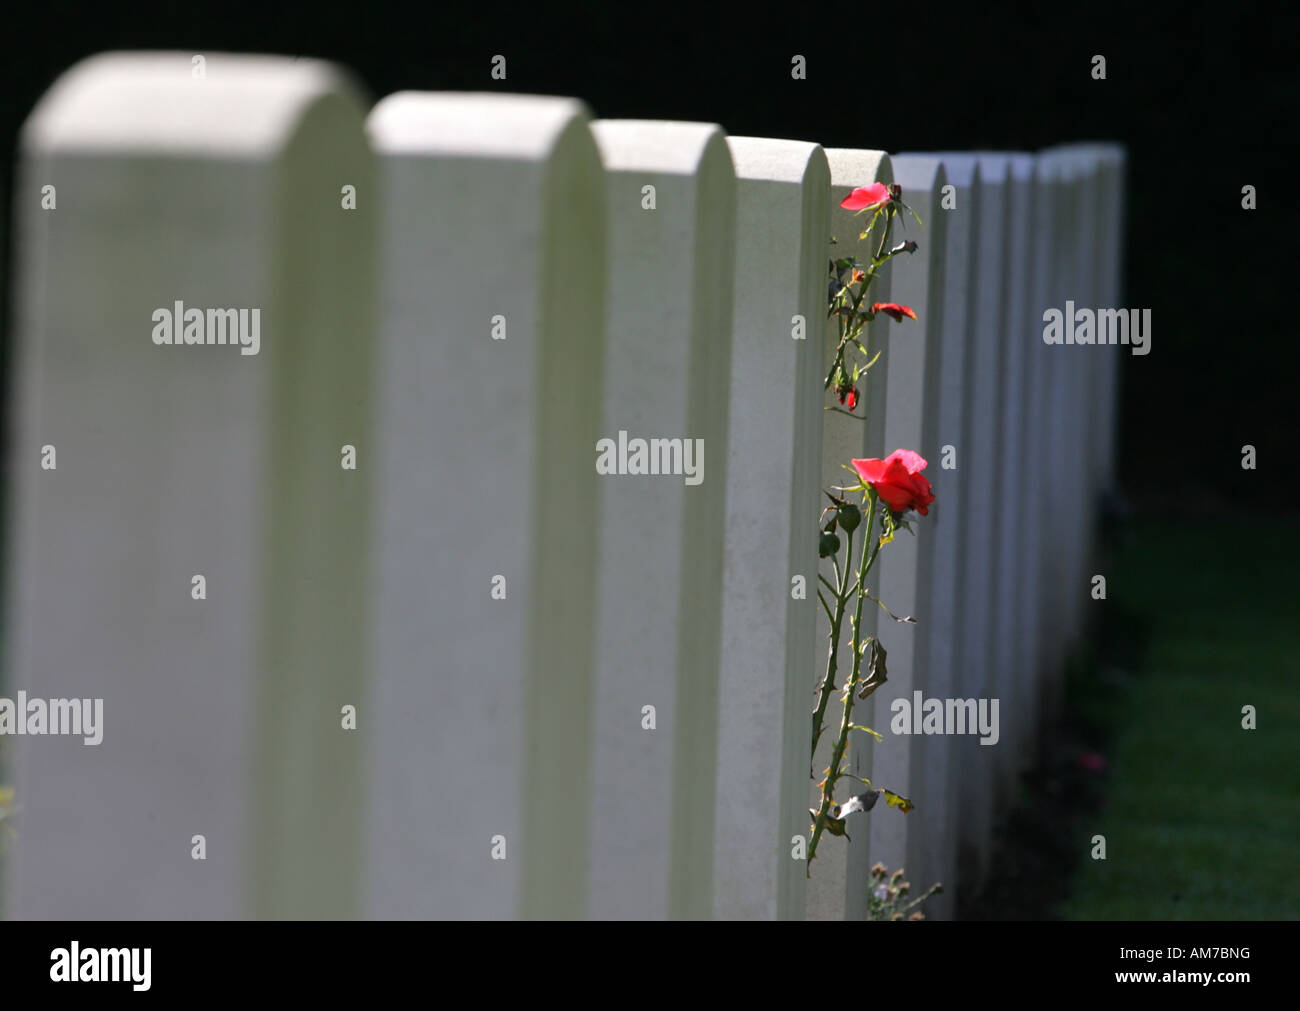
(889, 488)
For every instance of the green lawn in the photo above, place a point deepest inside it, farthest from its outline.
(1201, 817)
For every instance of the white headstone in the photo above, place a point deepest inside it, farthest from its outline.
(1086, 361)
(1041, 629)
(670, 204)
(912, 363)
(1101, 168)
(950, 480)
(773, 501)
(978, 453)
(837, 886)
(1060, 532)
(195, 557)
(493, 260)
(1110, 262)
(1008, 604)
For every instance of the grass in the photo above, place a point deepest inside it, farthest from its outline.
(1201, 817)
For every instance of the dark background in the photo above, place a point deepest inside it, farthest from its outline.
(1203, 96)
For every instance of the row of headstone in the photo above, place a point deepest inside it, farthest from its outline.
(1027, 431)
(430, 499)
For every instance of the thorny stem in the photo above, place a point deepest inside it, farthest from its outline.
(847, 334)
(833, 772)
(832, 661)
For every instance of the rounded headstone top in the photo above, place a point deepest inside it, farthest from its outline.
(1111, 153)
(183, 103)
(1072, 161)
(961, 167)
(917, 171)
(852, 166)
(1017, 164)
(472, 124)
(995, 166)
(1023, 165)
(649, 145)
(776, 160)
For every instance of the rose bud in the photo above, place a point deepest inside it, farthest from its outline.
(849, 517)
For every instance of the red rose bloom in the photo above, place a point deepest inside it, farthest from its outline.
(866, 196)
(852, 398)
(894, 309)
(897, 480)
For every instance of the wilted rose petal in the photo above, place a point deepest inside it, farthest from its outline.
(895, 310)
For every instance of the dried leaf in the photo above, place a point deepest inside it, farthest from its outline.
(862, 802)
(876, 671)
(908, 618)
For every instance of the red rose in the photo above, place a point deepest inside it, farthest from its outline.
(866, 196)
(852, 398)
(1092, 761)
(897, 480)
(894, 309)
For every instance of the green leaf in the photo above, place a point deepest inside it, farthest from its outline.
(835, 827)
(898, 801)
(859, 726)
